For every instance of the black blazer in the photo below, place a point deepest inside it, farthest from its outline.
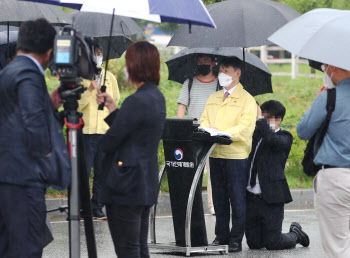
(29, 130)
(131, 148)
(270, 161)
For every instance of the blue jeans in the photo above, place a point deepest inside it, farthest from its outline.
(228, 180)
(94, 157)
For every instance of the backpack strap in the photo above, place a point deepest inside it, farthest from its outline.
(218, 87)
(331, 98)
(190, 83)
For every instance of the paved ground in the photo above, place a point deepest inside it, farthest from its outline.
(165, 233)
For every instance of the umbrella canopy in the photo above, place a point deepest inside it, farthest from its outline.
(257, 80)
(97, 25)
(118, 46)
(320, 35)
(179, 11)
(14, 12)
(240, 23)
(55, 2)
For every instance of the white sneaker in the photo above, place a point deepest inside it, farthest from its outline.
(212, 211)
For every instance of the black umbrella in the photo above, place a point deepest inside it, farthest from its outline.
(183, 66)
(118, 45)
(240, 23)
(13, 12)
(98, 25)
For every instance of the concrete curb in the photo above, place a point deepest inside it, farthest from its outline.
(302, 199)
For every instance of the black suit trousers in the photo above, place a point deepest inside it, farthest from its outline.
(129, 229)
(22, 221)
(264, 226)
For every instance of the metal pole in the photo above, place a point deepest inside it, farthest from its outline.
(293, 66)
(153, 212)
(191, 197)
(8, 41)
(243, 64)
(74, 198)
(109, 46)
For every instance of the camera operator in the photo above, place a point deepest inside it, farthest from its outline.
(33, 154)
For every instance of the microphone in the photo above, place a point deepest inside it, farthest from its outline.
(102, 105)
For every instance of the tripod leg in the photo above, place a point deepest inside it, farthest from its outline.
(85, 199)
(74, 207)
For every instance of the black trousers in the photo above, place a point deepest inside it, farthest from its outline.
(129, 229)
(22, 221)
(228, 180)
(94, 157)
(264, 226)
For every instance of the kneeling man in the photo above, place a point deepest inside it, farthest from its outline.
(267, 189)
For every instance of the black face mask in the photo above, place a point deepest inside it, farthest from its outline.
(203, 69)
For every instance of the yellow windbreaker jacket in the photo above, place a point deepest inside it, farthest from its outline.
(94, 118)
(236, 116)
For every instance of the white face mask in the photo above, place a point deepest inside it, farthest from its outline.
(328, 80)
(225, 80)
(126, 74)
(272, 126)
(99, 61)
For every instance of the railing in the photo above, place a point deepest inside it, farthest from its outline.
(294, 61)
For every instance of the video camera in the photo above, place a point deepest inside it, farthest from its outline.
(73, 56)
(73, 59)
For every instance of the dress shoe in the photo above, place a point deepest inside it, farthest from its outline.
(234, 247)
(217, 241)
(98, 214)
(302, 237)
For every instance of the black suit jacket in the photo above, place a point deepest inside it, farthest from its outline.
(270, 161)
(131, 145)
(29, 130)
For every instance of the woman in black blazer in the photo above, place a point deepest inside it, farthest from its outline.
(131, 147)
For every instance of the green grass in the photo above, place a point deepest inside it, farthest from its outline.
(296, 95)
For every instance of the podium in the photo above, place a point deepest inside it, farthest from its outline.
(186, 151)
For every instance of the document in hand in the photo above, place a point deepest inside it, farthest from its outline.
(214, 132)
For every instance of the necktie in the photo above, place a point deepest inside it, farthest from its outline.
(253, 168)
(226, 95)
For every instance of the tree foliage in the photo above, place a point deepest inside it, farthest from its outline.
(303, 6)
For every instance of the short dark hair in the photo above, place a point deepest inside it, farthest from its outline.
(273, 108)
(36, 36)
(143, 62)
(231, 61)
(96, 45)
(205, 55)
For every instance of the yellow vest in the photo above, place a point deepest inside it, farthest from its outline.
(236, 116)
(94, 118)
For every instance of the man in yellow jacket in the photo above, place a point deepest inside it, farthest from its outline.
(95, 127)
(231, 110)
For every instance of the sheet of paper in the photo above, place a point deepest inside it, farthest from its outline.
(214, 132)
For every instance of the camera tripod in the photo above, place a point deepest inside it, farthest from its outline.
(79, 191)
